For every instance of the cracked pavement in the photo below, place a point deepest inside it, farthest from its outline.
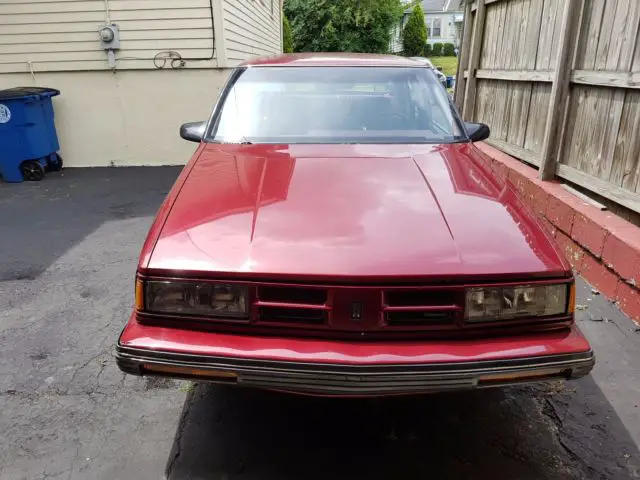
(68, 251)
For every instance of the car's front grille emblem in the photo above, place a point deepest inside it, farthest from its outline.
(356, 311)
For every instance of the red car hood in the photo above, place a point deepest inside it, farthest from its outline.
(357, 211)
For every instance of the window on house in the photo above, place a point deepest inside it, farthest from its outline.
(429, 22)
(437, 27)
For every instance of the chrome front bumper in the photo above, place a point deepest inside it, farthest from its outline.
(354, 380)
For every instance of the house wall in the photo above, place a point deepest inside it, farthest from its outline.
(61, 35)
(395, 46)
(127, 118)
(448, 33)
(131, 115)
(252, 28)
(448, 29)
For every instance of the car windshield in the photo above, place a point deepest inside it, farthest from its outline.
(335, 105)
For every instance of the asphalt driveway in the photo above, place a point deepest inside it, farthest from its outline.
(68, 249)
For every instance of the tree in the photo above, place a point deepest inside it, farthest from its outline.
(343, 25)
(287, 39)
(414, 35)
(448, 50)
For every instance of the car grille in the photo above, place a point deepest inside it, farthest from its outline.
(287, 305)
(419, 307)
(292, 315)
(417, 317)
(358, 312)
(345, 308)
(311, 296)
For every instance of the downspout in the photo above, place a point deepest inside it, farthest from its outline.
(219, 33)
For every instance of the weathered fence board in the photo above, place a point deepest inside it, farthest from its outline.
(625, 172)
(518, 112)
(516, 75)
(548, 31)
(606, 79)
(586, 138)
(532, 34)
(474, 58)
(593, 11)
(463, 59)
(534, 135)
(562, 95)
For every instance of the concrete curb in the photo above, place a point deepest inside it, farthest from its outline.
(602, 247)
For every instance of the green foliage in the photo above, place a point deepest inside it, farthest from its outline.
(414, 35)
(343, 25)
(449, 64)
(427, 50)
(448, 50)
(436, 49)
(287, 39)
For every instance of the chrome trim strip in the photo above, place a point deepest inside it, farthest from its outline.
(330, 379)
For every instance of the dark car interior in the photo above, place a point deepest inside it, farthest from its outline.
(295, 114)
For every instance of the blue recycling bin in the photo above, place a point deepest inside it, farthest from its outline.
(28, 139)
(450, 82)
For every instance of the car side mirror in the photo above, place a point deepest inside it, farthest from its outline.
(477, 131)
(193, 131)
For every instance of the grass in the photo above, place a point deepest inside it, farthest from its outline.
(187, 386)
(449, 64)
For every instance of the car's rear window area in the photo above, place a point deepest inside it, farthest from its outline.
(335, 105)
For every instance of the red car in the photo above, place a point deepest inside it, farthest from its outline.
(338, 233)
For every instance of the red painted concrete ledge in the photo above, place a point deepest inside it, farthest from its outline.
(602, 247)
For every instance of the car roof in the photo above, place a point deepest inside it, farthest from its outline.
(333, 60)
(422, 59)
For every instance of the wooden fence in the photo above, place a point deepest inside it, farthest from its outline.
(558, 82)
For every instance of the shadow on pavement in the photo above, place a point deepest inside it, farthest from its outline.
(40, 221)
(515, 433)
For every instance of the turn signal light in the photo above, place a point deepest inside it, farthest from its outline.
(139, 294)
(217, 375)
(544, 374)
(572, 298)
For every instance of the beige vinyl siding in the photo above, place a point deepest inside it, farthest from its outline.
(252, 28)
(61, 35)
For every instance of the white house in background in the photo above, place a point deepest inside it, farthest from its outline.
(174, 57)
(444, 23)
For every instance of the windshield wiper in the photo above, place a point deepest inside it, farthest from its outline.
(242, 141)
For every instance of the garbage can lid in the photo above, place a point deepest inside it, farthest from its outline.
(17, 93)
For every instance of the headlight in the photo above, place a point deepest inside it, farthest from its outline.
(503, 303)
(196, 298)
